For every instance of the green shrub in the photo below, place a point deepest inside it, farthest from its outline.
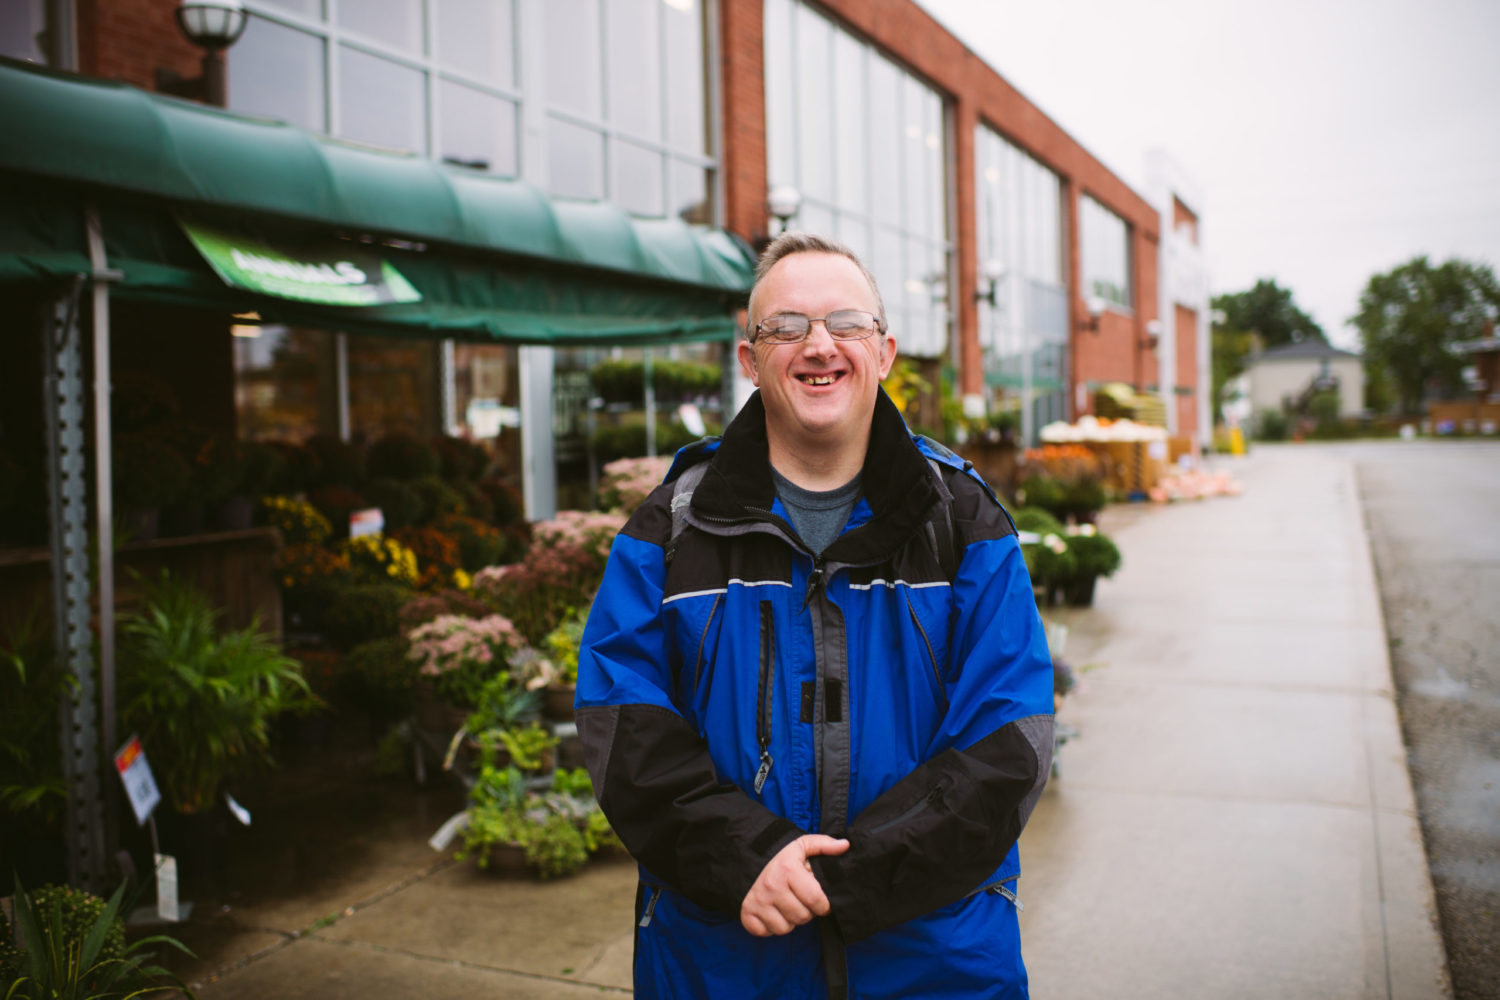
(438, 499)
(359, 613)
(400, 503)
(461, 460)
(399, 455)
(506, 501)
(1036, 519)
(378, 677)
(423, 608)
(1043, 491)
(479, 545)
(628, 439)
(1093, 555)
(339, 463)
(1271, 425)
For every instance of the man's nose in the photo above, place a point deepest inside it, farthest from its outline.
(819, 343)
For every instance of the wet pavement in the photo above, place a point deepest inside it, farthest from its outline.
(1235, 818)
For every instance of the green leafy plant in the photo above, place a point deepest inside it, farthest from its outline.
(73, 948)
(31, 686)
(399, 502)
(1094, 555)
(1036, 519)
(527, 745)
(502, 705)
(562, 647)
(201, 700)
(598, 835)
(572, 782)
(439, 500)
(401, 456)
(360, 612)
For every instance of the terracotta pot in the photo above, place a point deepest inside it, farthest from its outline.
(504, 861)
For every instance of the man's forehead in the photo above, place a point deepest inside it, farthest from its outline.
(813, 275)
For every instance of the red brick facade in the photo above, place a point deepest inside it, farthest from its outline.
(1187, 371)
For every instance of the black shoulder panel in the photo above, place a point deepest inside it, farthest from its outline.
(977, 515)
(652, 521)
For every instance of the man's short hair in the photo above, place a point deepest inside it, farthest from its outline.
(788, 244)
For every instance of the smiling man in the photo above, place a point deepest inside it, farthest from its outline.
(814, 692)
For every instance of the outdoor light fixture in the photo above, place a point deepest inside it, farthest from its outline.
(1095, 305)
(213, 26)
(784, 202)
(993, 272)
(1153, 334)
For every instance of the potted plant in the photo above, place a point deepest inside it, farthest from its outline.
(1094, 555)
(72, 944)
(509, 831)
(1050, 563)
(457, 656)
(202, 700)
(148, 475)
(529, 748)
(560, 684)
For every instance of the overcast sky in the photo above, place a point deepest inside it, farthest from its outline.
(1332, 139)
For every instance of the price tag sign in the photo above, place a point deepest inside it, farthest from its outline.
(140, 784)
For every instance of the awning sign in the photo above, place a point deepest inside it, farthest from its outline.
(333, 273)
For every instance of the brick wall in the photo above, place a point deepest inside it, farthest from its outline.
(129, 39)
(742, 59)
(1187, 370)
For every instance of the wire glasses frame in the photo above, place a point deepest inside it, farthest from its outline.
(794, 328)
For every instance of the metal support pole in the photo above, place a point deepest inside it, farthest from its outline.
(650, 378)
(66, 481)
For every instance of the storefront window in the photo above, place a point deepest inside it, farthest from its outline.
(282, 378)
(392, 387)
(23, 23)
(277, 72)
(1105, 241)
(863, 141)
(397, 23)
(380, 102)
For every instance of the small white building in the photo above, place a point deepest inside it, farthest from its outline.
(1280, 378)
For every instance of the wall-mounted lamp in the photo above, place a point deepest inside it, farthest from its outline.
(784, 202)
(992, 272)
(1095, 305)
(1153, 334)
(213, 26)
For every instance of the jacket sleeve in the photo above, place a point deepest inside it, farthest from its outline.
(651, 770)
(938, 833)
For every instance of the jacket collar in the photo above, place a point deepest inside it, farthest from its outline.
(898, 483)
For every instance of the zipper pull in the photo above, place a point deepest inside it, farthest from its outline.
(813, 581)
(764, 772)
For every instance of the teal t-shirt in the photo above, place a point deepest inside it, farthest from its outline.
(818, 517)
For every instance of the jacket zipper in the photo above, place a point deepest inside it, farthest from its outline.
(813, 581)
(931, 656)
(649, 910)
(927, 800)
(703, 639)
(763, 702)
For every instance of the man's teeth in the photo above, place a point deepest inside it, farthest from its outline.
(819, 379)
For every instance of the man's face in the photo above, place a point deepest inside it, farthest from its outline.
(822, 389)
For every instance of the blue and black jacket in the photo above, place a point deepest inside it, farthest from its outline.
(735, 692)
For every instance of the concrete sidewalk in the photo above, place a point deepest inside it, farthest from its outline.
(1235, 819)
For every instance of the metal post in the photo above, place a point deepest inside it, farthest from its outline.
(215, 78)
(66, 481)
(650, 379)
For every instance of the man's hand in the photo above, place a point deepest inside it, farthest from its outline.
(786, 894)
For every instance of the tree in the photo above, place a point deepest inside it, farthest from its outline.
(1265, 313)
(1410, 317)
(1268, 311)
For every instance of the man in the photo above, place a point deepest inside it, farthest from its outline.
(814, 691)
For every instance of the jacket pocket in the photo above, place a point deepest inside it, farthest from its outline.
(699, 660)
(937, 675)
(765, 692)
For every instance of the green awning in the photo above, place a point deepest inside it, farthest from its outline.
(492, 258)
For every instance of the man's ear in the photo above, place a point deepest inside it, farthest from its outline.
(747, 362)
(887, 354)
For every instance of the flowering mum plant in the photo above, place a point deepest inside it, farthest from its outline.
(628, 481)
(377, 559)
(460, 654)
(437, 553)
(560, 573)
(309, 566)
(298, 521)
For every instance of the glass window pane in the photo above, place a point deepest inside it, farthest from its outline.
(885, 264)
(854, 233)
(781, 107)
(934, 175)
(277, 72)
(380, 102)
(913, 158)
(575, 160)
(690, 187)
(634, 93)
(573, 56)
(851, 151)
(392, 387)
(687, 86)
(477, 38)
(307, 8)
(22, 23)
(398, 23)
(487, 399)
(635, 178)
(814, 96)
(280, 374)
(885, 168)
(814, 218)
(477, 129)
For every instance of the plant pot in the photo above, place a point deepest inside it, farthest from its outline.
(437, 715)
(557, 702)
(1080, 593)
(504, 861)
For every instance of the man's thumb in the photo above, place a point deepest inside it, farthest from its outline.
(817, 843)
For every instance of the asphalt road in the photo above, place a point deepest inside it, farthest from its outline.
(1433, 513)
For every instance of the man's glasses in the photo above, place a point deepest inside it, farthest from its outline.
(793, 328)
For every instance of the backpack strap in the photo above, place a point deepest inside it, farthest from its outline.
(682, 497)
